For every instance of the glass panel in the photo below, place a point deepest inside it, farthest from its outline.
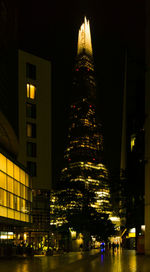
(22, 187)
(15, 202)
(27, 180)
(19, 188)
(22, 176)
(11, 201)
(18, 204)
(10, 213)
(15, 187)
(10, 184)
(22, 216)
(2, 197)
(16, 172)
(26, 193)
(17, 215)
(2, 163)
(30, 71)
(28, 88)
(2, 180)
(27, 218)
(30, 195)
(9, 168)
(3, 211)
(31, 110)
(32, 91)
(8, 199)
(22, 205)
(31, 149)
(29, 130)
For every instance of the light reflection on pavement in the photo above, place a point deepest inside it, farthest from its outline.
(126, 261)
(120, 261)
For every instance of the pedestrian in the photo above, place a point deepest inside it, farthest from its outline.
(81, 248)
(113, 246)
(117, 246)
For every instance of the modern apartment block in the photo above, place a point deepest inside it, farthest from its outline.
(34, 99)
(34, 87)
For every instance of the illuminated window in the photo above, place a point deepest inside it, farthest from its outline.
(30, 71)
(3, 212)
(27, 180)
(10, 184)
(16, 172)
(10, 213)
(31, 110)
(22, 176)
(31, 91)
(133, 139)
(2, 197)
(2, 180)
(10, 170)
(22, 190)
(18, 204)
(15, 203)
(10, 200)
(22, 205)
(2, 163)
(14, 189)
(31, 130)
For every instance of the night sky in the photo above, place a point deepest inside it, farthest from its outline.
(50, 29)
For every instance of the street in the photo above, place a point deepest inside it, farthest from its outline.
(120, 261)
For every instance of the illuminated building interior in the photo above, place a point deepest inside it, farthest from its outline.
(84, 38)
(83, 158)
(31, 91)
(84, 154)
(15, 191)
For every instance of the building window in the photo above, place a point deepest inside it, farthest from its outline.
(31, 166)
(30, 71)
(31, 91)
(31, 110)
(132, 142)
(31, 149)
(15, 203)
(31, 130)
(2, 197)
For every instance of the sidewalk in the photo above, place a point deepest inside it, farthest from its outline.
(66, 259)
(119, 261)
(92, 261)
(42, 263)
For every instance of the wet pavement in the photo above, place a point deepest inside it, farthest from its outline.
(119, 261)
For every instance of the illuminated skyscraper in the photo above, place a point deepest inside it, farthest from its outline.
(84, 153)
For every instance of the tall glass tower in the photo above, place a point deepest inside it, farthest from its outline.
(84, 152)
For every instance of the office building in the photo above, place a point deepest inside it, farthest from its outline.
(84, 166)
(34, 107)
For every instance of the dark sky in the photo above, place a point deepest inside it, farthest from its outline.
(50, 29)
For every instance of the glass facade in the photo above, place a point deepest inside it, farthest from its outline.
(15, 191)
(84, 154)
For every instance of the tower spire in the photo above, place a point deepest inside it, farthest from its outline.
(84, 38)
(84, 79)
